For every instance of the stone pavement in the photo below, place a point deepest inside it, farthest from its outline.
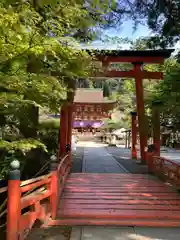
(123, 156)
(98, 160)
(77, 159)
(124, 233)
(51, 233)
(169, 153)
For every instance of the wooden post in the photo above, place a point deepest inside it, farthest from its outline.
(54, 187)
(156, 126)
(133, 135)
(14, 202)
(63, 129)
(140, 111)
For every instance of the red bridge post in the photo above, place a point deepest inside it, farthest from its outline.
(134, 135)
(14, 202)
(156, 126)
(140, 110)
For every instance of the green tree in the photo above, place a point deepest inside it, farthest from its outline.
(39, 62)
(168, 91)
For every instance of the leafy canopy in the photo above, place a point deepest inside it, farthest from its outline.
(40, 58)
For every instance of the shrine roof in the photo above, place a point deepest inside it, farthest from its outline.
(132, 53)
(84, 95)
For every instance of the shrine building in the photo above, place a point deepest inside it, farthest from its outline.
(89, 109)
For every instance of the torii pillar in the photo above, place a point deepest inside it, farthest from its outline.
(156, 126)
(70, 99)
(140, 109)
(66, 122)
(133, 135)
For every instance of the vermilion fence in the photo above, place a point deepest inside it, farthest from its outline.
(167, 169)
(33, 199)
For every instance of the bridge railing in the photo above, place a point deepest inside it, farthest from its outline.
(166, 169)
(33, 199)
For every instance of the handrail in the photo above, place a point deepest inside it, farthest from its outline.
(62, 161)
(165, 168)
(58, 181)
(26, 182)
(32, 180)
(22, 194)
(168, 160)
(35, 185)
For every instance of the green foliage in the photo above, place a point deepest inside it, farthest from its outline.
(16, 150)
(49, 124)
(23, 145)
(113, 125)
(116, 40)
(140, 44)
(48, 133)
(47, 141)
(40, 58)
(168, 91)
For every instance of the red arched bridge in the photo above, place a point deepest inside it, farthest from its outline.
(64, 198)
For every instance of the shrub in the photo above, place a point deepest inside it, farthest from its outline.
(49, 124)
(30, 151)
(16, 150)
(49, 134)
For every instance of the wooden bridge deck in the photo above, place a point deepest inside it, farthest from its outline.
(117, 199)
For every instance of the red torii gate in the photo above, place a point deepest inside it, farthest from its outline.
(137, 58)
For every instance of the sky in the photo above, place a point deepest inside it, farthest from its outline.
(126, 31)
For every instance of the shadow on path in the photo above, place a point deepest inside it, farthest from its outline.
(123, 156)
